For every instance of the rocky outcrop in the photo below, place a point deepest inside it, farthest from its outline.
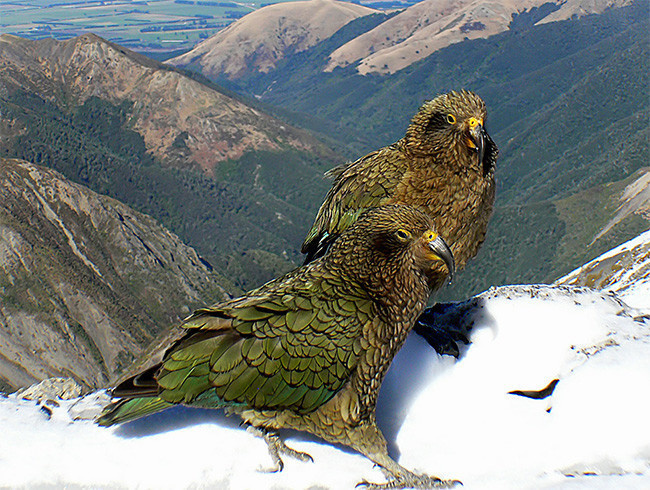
(624, 270)
(51, 389)
(86, 282)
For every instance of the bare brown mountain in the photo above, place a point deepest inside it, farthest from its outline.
(183, 122)
(86, 282)
(431, 25)
(261, 38)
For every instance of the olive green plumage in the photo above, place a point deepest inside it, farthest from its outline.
(444, 165)
(308, 350)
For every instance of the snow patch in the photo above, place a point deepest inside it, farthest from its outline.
(454, 419)
(524, 338)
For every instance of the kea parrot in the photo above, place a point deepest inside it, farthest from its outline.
(309, 350)
(444, 166)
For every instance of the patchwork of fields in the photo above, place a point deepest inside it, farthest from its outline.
(154, 25)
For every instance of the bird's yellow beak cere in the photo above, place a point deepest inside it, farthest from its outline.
(475, 127)
(439, 250)
(472, 122)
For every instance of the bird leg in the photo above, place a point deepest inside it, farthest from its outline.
(370, 442)
(277, 447)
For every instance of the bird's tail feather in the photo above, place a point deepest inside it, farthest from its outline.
(130, 409)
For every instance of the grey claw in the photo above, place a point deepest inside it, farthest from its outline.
(277, 447)
(411, 481)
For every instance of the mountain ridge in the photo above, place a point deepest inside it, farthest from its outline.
(169, 109)
(86, 283)
(431, 25)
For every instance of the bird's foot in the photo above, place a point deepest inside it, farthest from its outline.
(277, 448)
(440, 332)
(409, 480)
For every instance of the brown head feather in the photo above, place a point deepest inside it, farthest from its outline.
(384, 250)
(442, 128)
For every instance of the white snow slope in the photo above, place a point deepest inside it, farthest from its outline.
(451, 418)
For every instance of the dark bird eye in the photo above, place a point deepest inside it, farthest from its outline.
(402, 234)
(451, 119)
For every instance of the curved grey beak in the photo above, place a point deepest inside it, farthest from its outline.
(485, 147)
(480, 138)
(442, 250)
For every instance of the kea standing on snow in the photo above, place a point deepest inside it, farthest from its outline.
(444, 165)
(308, 351)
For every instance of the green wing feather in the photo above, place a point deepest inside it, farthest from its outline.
(283, 346)
(130, 409)
(286, 345)
(366, 183)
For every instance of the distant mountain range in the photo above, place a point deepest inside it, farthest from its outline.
(86, 283)
(430, 25)
(257, 41)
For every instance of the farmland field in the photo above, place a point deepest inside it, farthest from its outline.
(148, 26)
